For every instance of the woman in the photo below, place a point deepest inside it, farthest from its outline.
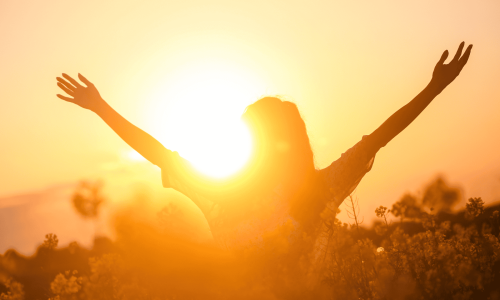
(279, 194)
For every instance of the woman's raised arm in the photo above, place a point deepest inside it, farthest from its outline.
(88, 97)
(443, 75)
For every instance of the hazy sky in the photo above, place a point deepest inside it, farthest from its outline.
(182, 69)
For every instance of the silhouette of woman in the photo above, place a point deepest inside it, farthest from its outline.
(279, 192)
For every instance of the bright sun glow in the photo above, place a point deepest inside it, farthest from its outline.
(197, 113)
(134, 156)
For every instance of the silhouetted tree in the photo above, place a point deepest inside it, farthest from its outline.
(440, 196)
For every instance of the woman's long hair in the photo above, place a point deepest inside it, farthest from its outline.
(280, 138)
(282, 153)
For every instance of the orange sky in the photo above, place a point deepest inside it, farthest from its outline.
(347, 64)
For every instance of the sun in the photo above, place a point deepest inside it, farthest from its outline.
(197, 111)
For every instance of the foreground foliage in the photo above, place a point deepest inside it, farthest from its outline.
(441, 262)
(428, 253)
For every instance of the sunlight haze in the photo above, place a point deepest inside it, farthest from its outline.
(208, 98)
(184, 71)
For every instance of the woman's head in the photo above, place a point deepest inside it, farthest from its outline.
(280, 139)
(282, 154)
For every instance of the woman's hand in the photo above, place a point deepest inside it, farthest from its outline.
(86, 97)
(445, 74)
(442, 76)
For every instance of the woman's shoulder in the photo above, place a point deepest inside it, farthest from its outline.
(342, 176)
(358, 155)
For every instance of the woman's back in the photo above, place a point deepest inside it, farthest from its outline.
(247, 219)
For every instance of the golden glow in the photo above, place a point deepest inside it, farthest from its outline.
(197, 113)
(346, 66)
(134, 156)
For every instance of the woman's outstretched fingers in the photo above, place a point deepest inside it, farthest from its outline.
(87, 96)
(463, 60)
(64, 88)
(64, 98)
(444, 74)
(444, 56)
(74, 82)
(84, 80)
(65, 83)
(459, 53)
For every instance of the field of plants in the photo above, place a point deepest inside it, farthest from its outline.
(423, 247)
